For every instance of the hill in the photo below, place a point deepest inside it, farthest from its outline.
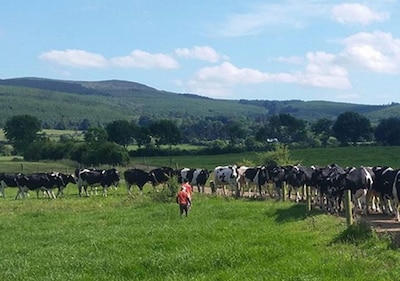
(69, 104)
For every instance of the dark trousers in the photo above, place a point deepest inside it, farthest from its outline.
(183, 209)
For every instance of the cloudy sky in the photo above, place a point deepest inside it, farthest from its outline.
(227, 49)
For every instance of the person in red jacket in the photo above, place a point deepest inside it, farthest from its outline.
(183, 199)
(188, 189)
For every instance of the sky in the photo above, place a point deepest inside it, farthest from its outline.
(307, 50)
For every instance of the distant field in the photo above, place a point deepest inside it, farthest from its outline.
(344, 156)
(122, 238)
(54, 134)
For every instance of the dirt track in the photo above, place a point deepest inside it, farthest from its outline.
(383, 223)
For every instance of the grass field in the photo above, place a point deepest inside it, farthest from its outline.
(139, 238)
(121, 238)
(344, 156)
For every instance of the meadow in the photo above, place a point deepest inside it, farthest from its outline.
(144, 238)
(140, 238)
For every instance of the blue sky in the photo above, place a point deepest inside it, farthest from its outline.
(226, 49)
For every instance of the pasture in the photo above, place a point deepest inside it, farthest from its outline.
(343, 156)
(142, 238)
(122, 238)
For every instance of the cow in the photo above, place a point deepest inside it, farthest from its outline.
(160, 176)
(37, 182)
(137, 177)
(359, 181)
(7, 180)
(257, 176)
(195, 177)
(227, 175)
(277, 175)
(62, 181)
(94, 178)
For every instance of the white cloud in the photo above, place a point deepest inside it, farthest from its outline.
(261, 17)
(290, 60)
(136, 59)
(321, 70)
(377, 51)
(204, 53)
(76, 58)
(356, 13)
(142, 59)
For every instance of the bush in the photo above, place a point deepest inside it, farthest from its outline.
(166, 195)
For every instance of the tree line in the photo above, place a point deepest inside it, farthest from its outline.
(109, 144)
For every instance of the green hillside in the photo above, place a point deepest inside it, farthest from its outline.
(70, 103)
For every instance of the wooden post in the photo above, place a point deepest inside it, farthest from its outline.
(284, 191)
(348, 207)
(308, 195)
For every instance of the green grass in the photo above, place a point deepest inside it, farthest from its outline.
(344, 156)
(121, 238)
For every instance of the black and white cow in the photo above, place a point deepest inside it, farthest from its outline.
(227, 175)
(137, 177)
(160, 176)
(8, 180)
(277, 175)
(61, 181)
(253, 176)
(195, 177)
(94, 178)
(359, 181)
(37, 182)
(387, 188)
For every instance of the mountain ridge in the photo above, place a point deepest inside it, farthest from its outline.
(100, 102)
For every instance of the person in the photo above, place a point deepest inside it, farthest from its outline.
(188, 189)
(183, 199)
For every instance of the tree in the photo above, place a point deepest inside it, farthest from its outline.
(388, 131)
(96, 136)
(285, 128)
(235, 131)
(322, 129)
(121, 132)
(165, 132)
(352, 127)
(22, 130)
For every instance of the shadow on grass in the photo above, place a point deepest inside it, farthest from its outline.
(294, 213)
(357, 233)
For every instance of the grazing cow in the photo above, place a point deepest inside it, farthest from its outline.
(257, 176)
(136, 177)
(358, 181)
(161, 176)
(277, 175)
(37, 182)
(95, 178)
(195, 177)
(61, 181)
(7, 180)
(227, 175)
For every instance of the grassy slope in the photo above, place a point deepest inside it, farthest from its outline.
(117, 238)
(105, 101)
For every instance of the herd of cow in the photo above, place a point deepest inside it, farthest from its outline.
(373, 188)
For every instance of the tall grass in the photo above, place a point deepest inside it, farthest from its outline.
(122, 238)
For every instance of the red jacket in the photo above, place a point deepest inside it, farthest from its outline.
(182, 198)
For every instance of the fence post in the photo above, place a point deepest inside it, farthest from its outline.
(308, 195)
(283, 191)
(348, 207)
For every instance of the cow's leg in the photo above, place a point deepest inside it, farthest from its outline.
(2, 194)
(129, 189)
